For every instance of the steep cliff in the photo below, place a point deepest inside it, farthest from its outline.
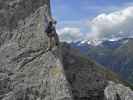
(28, 72)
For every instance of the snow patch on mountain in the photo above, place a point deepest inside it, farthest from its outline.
(100, 42)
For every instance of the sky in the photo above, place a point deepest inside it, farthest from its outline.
(92, 19)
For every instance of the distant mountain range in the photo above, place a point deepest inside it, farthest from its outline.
(116, 54)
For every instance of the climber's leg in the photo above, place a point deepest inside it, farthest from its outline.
(49, 43)
(56, 38)
(52, 42)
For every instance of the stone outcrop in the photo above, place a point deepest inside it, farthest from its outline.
(118, 92)
(85, 81)
(28, 72)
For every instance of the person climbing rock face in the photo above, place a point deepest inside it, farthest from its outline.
(52, 34)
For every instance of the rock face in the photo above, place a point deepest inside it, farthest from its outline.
(85, 81)
(118, 92)
(28, 72)
(11, 11)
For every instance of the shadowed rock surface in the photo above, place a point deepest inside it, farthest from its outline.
(28, 72)
(86, 82)
(90, 81)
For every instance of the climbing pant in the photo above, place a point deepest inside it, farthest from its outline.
(53, 41)
(56, 39)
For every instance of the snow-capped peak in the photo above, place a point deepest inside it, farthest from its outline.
(91, 42)
(99, 42)
(114, 39)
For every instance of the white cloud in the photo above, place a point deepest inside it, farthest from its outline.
(70, 34)
(113, 24)
(105, 25)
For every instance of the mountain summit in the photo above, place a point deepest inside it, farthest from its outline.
(29, 72)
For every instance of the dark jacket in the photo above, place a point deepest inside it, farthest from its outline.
(50, 30)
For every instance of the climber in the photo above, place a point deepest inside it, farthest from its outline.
(52, 34)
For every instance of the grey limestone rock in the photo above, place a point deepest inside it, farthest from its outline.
(118, 92)
(27, 70)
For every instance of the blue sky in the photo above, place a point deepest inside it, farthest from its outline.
(77, 13)
(66, 10)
